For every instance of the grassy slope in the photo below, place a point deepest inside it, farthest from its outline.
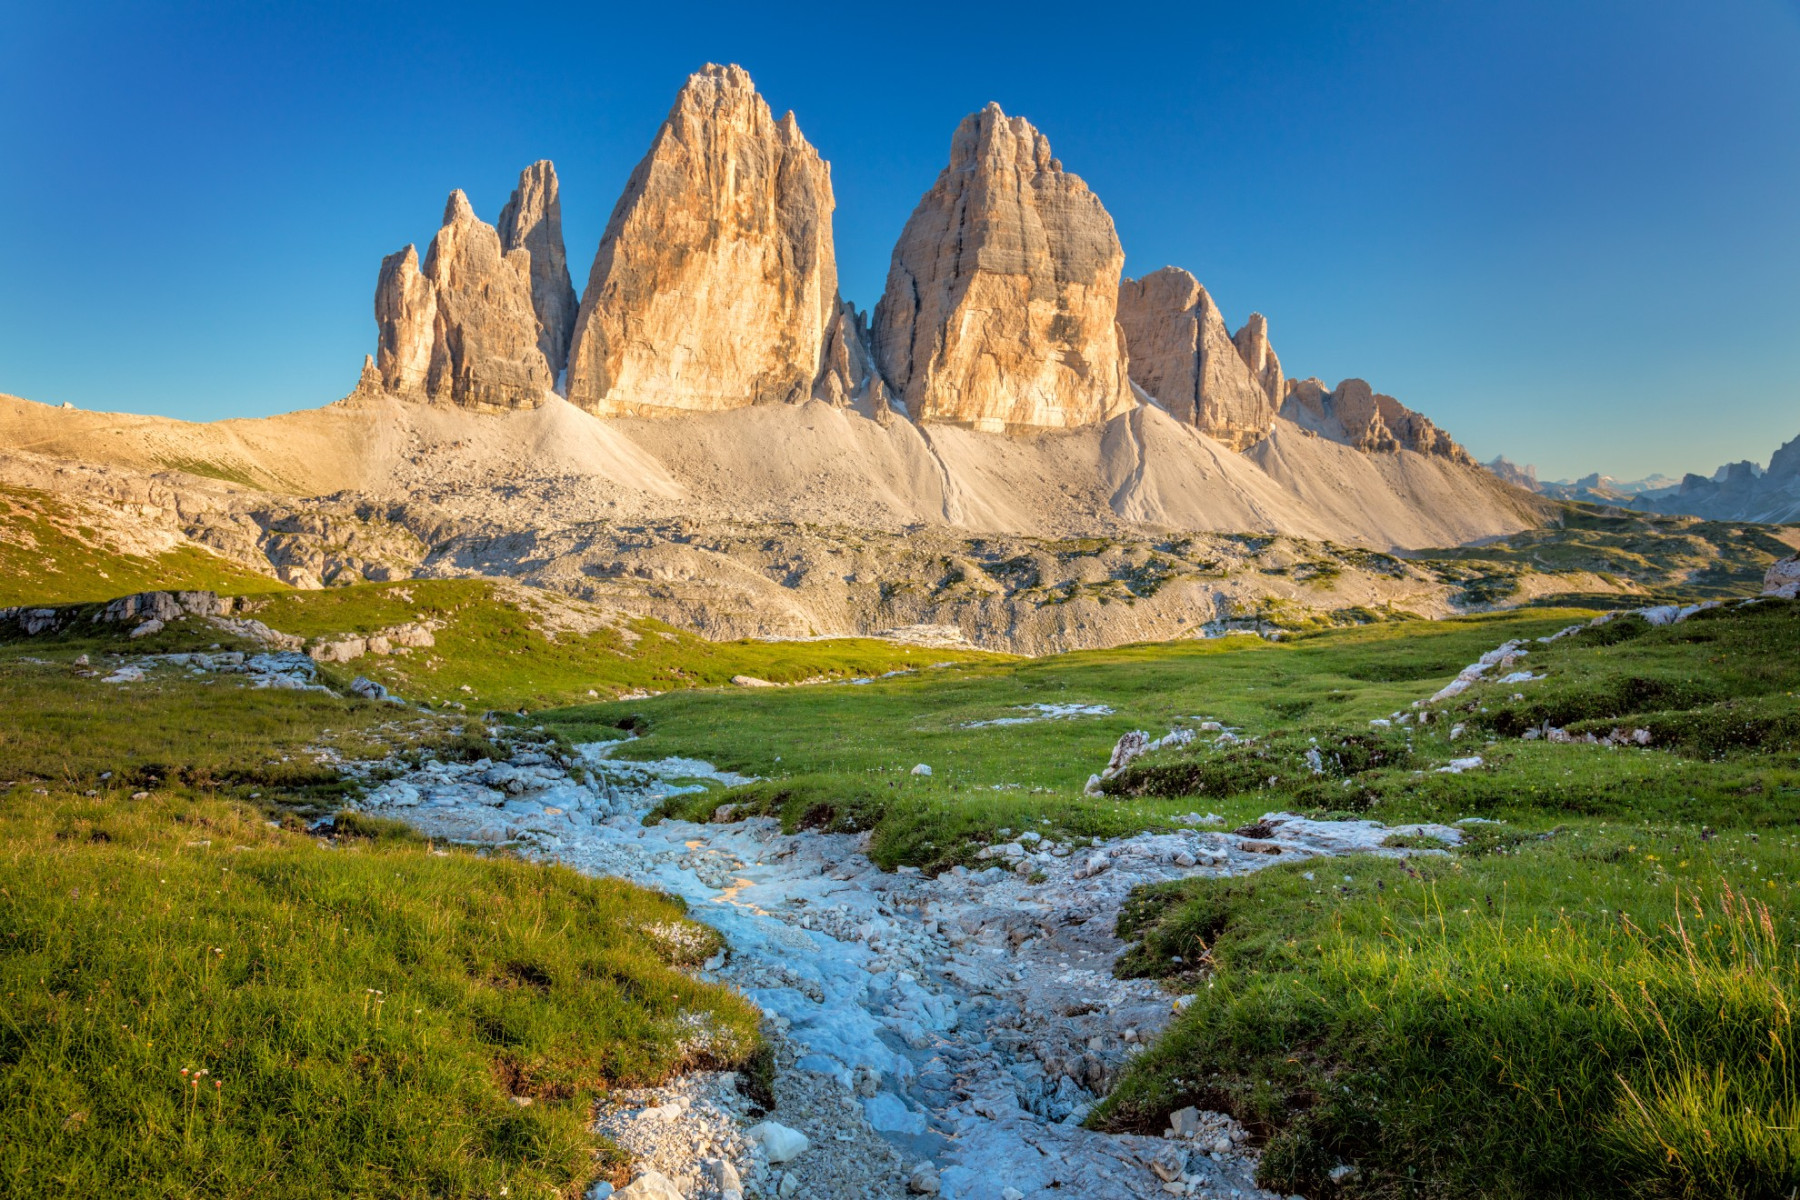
(50, 555)
(1673, 559)
(369, 1007)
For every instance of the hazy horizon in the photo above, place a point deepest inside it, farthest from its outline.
(1573, 250)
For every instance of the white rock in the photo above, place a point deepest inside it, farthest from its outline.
(651, 1185)
(790, 1183)
(779, 1142)
(921, 769)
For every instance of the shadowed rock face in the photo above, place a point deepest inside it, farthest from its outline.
(532, 221)
(715, 285)
(1001, 299)
(1183, 355)
(461, 330)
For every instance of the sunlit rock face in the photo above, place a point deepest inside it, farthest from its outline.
(1002, 295)
(715, 285)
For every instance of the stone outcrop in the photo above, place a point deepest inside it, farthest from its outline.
(715, 285)
(406, 316)
(1357, 415)
(1002, 295)
(1783, 578)
(1183, 355)
(532, 221)
(461, 329)
(1252, 342)
(845, 369)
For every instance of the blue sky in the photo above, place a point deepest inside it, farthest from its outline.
(1569, 232)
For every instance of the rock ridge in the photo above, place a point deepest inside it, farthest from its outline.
(1357, 415)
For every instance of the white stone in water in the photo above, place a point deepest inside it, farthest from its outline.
(778, 1141)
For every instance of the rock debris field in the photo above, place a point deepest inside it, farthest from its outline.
(937, 1036)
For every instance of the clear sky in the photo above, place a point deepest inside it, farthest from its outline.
(1567, 230)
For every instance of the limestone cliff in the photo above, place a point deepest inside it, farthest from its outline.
(532, 221)
(1183, 355)
(1002, 295)
(462, 329)
(715, 285)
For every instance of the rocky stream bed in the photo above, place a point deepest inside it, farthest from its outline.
(934, 1035)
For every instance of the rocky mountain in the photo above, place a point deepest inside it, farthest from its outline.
(532, 221)
(1183, 356)
(1738, 491)
(1505, 468)
(820, 472)
(462, 330)
(1002, 296)
(715, 285)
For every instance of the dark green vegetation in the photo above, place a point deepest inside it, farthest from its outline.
(366, 1007)
(51, 554)
(1672, 559)
(1591, 997)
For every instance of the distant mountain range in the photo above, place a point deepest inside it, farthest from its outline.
(1739, 491)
